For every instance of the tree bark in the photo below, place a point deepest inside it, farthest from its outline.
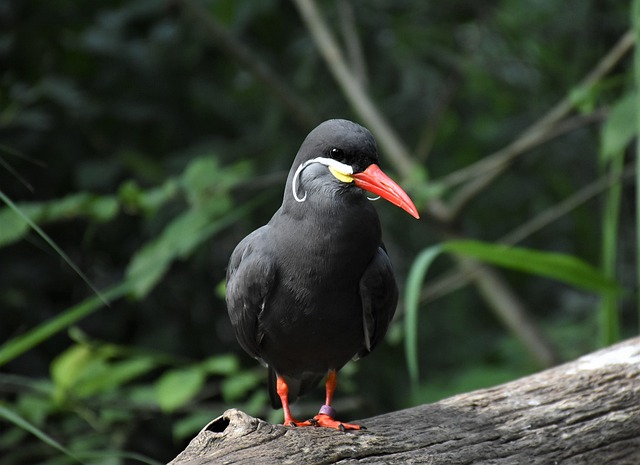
(583, 412)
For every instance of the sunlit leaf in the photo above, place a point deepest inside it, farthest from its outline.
(68, 367)
(112, 374)
(237, 386)
(221, 364)
(177, 387)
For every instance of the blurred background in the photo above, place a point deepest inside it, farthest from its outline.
(141, 140)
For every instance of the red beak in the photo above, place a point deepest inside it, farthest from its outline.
(374, 180)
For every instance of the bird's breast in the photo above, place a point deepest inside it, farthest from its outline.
(314, 315)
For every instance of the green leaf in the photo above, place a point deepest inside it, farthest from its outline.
(179, 239)
(221, 365)
(565, 268)
(177, 387)
(68, 367)
(109, 375)
(620, 127)
(13, 227)
(200, 177)
(236, 387)
(412, 299)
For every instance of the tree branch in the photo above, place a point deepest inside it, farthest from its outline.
(530, 136)
(584, 412)
(352, 89)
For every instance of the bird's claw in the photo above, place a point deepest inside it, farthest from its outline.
(325, 421)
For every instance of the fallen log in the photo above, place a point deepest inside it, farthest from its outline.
(583, 412)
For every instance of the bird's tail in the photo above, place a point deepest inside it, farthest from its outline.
(297, 386)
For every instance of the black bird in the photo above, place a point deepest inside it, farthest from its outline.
(314, 288)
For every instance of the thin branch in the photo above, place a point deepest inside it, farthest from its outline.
(471, 190)
(352, 89)
(348, 29)
(302, 113)
(456, 279)
(561, 209)
(505, 155)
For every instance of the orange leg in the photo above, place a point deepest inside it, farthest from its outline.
(283, 392)
(330, 386)
(325, 417)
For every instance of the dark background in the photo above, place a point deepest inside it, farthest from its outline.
(147, 139)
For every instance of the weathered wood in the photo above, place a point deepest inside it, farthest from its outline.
(583, 412)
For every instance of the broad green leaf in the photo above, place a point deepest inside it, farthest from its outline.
(412, 298)
(112, 374)
(565, 268)
(179, 239)
(13, 227)
(221, 364)
(177, 387)
(135, 199)
(237, 386)
(200, 177)
(620, 127)
(69, 366)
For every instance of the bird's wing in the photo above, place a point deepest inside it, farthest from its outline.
(379, 296)
(250, 277)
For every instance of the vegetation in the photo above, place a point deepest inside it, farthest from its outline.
(141, 140)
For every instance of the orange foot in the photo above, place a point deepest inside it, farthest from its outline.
(325, 421)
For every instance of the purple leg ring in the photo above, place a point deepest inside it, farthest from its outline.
(328, 410)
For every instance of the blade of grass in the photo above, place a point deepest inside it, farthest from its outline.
(561, 267)
(18, 345)
(609, 324)
(413, 289)
(20, 422)
(52, 244)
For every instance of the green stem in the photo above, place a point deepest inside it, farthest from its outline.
(609, 310)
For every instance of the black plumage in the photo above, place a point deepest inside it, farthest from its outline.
(314, 288)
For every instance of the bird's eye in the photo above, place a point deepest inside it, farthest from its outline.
(336, 154)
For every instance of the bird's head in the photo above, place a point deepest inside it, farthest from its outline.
(345, 152)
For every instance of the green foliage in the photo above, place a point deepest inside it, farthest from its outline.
(548, 264)
(176, 387)
(568, 269)
(620, 127)
(413, 288)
